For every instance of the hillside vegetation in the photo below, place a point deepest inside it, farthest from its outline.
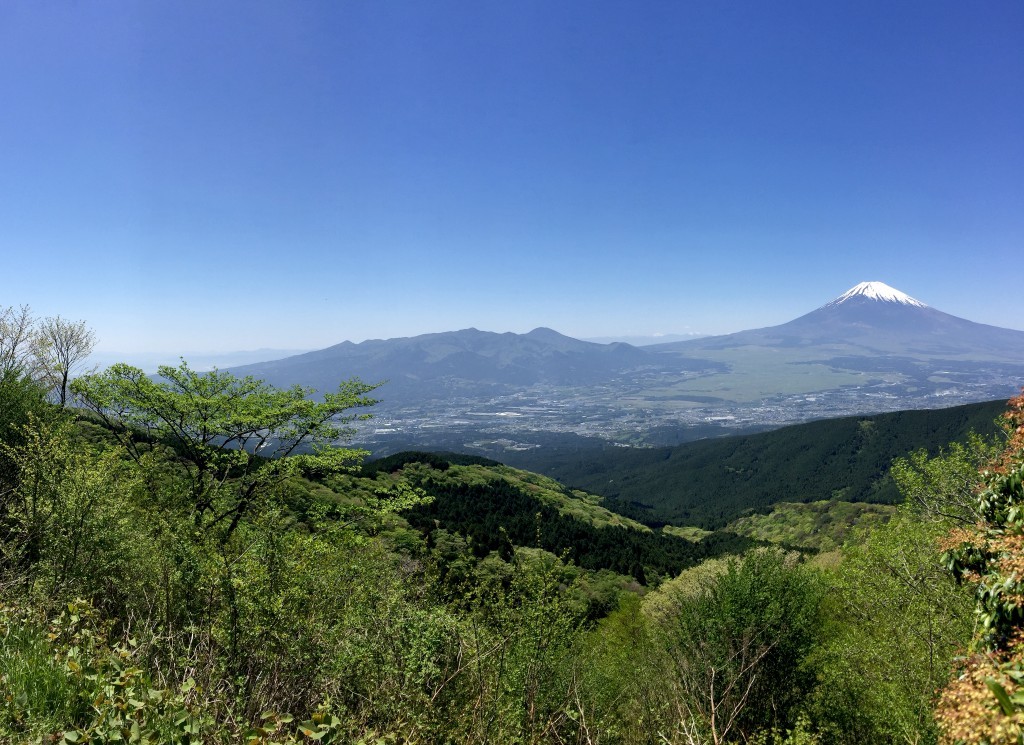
(496, 508)
(451, 468)
(821, 526)
(159, 587)
(712, 482)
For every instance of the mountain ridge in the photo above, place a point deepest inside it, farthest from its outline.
(468, 362)
(871, 349)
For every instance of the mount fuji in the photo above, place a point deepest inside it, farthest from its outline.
(875, 320)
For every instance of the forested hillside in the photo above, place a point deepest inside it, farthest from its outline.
(820, 526)
(164, 580)
(496, 509)
(712, 482)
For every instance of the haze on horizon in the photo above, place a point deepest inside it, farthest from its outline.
(232, 176)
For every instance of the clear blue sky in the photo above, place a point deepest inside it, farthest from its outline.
(233, 175)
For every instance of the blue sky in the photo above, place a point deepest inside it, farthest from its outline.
(229, 175)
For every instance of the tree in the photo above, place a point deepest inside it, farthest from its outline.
(22, 403)
(897, 622)
(985, 703)
(70, 522)
(738, 646)
(942, 489)
(22, 397)
(62, 347)
(229, 435)
(17, 341)
(20, 400)
(47, 351)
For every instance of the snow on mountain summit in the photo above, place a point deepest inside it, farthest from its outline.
(876, 291)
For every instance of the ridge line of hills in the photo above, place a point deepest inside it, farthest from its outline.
(871, 350)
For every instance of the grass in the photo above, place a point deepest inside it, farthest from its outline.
(37, 695)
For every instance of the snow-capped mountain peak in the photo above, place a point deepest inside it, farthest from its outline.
(876, 291)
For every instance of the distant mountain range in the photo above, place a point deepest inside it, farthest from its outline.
(872, 349)
(461, 363)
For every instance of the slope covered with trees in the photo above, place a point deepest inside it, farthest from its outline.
(712, 482)
(497, 508)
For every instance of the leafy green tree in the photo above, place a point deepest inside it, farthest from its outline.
(21, 399)
(23, 405)
(627, 693)
(740, 645)
(897, 621)
(520, 656)
(230, 436)
(942, 488)
(72, 520)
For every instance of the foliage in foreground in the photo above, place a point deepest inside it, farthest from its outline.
(139, 598)
(985, 703)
